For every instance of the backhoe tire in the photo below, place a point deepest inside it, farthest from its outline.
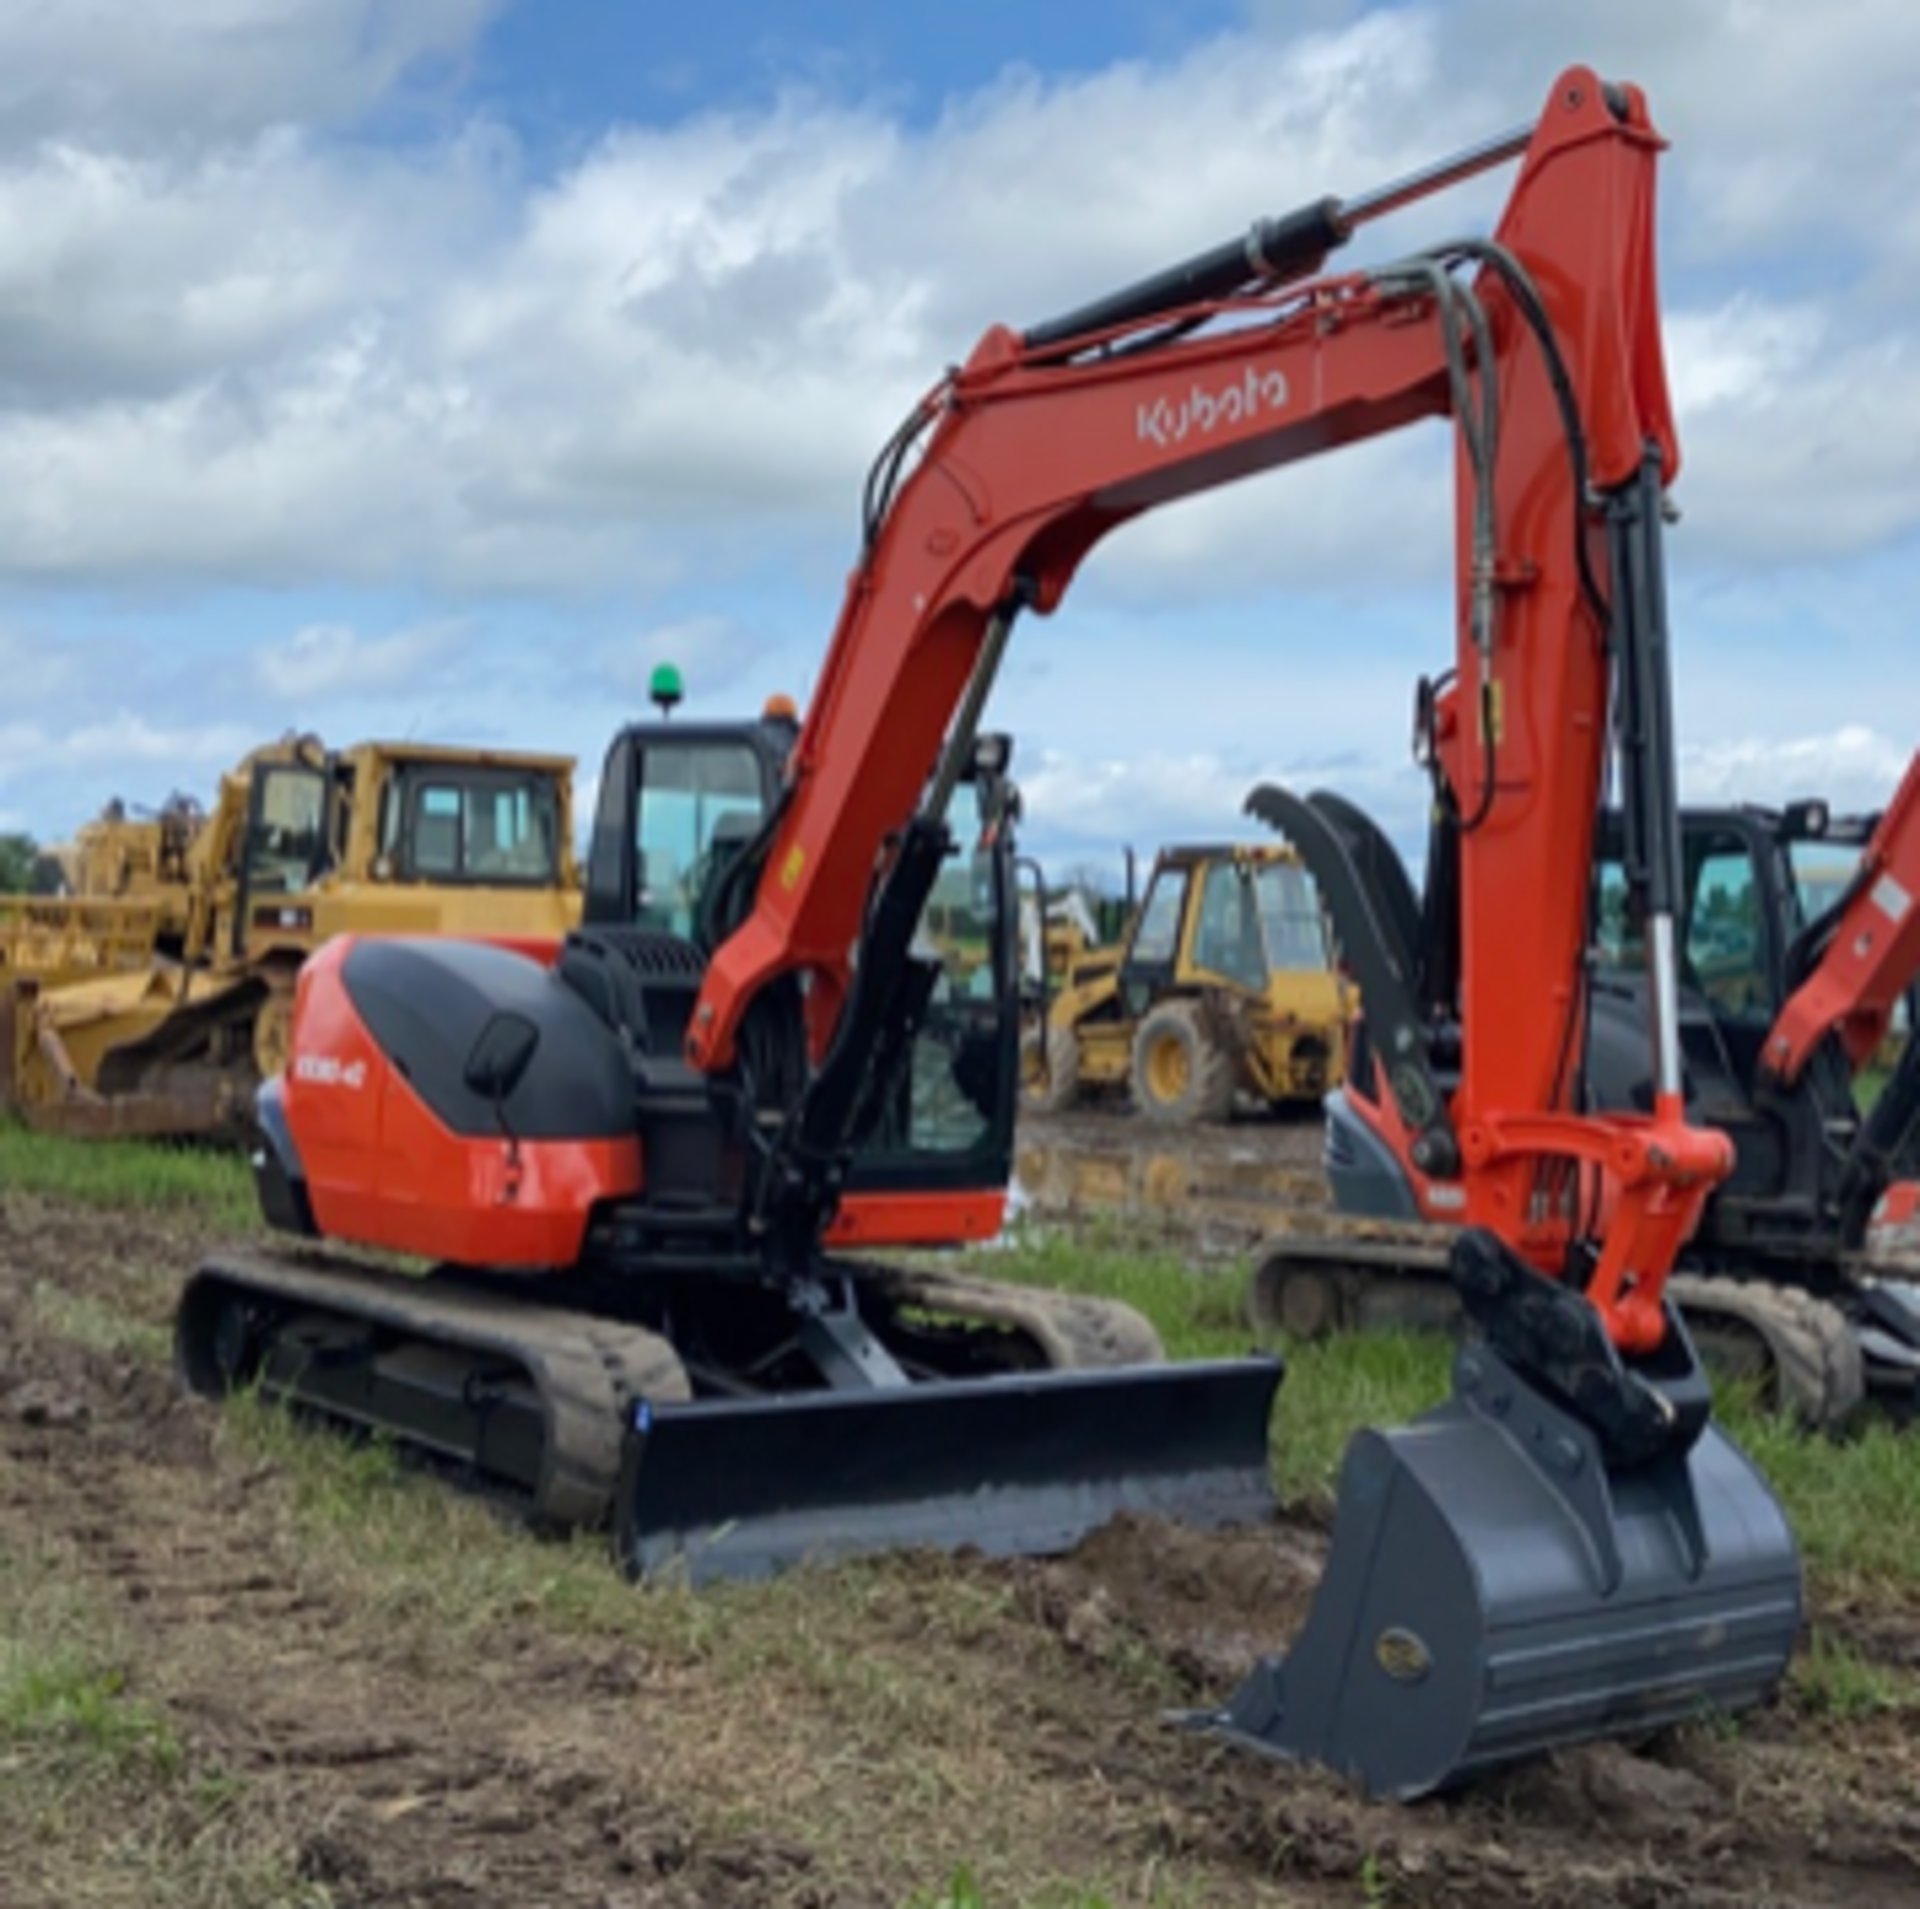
(1052, 1083)
(1181, 1076)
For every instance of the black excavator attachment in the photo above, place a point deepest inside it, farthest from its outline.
(1012, 1465)
(1566, 1549)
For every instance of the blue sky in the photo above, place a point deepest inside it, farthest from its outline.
(437, 368)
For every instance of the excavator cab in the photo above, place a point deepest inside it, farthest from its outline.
(683, 808)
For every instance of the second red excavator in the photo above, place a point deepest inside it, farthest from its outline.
(1783, 1008)
(637, 1153)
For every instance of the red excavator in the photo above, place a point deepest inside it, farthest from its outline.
(636, 1152)
(1796, 938)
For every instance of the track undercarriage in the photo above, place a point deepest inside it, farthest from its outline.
(728, 1430)
(1818, 1353)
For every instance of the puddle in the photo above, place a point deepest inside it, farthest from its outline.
(1222, 1192)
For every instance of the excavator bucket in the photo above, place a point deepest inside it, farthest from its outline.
(1011, 1466)
(1499, 1586)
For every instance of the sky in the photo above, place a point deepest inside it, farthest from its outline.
(435, 368)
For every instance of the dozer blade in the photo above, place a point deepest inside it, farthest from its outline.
(1013, 1466)
(1498, 1588)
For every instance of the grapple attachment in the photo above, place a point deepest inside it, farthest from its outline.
(1502, 1584)
(1014, 1466)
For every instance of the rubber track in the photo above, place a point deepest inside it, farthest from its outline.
(1074, 1333)
(1386, 1276)
(1817, 1368)
(587, 1371)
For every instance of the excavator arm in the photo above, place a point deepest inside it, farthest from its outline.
(1543, 347)
(1536, 1559)
(1861, 955)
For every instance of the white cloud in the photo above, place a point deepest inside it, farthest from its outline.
(328, 660)
(1855, 767)
(243, 344)
(116, 748)
(1081, 805)
(244, 353)
(211, 69)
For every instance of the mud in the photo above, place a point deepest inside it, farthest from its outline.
(1210, 1190)
(401, 1763)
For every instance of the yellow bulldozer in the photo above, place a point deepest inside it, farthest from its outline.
(1223, 984)
(118, 855)
(156, 996)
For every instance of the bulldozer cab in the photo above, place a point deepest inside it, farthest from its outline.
(287, 843)
(472, 824)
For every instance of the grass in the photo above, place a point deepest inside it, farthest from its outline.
(65, 1705)
(1851, 1501)
(100, 1799)
(1833, 1679)
(856, 1664)
(89, 1322)
(133, 1174)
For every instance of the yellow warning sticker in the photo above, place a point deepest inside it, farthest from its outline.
(1491, 704)
(791, 867)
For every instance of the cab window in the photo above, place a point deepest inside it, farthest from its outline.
(287, 844)
(1158, 936)
(1725, 952)
(1228, 941)
(696, 806)
(490, 828)
(1291, 916)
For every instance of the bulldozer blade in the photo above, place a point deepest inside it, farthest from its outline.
(1497, 1588)
(1012, 1466)
(132, 1117)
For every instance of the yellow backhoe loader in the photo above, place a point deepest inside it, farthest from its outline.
(158, 1005)
(1222, 985)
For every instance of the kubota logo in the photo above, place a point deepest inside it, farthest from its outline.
(329, 1070)
(1238, 401)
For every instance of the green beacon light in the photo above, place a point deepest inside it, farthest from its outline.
(665, 688)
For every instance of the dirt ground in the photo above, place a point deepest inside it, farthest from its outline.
(1211, 1190)
(392, 1760)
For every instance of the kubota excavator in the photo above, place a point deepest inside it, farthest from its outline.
(1780, 1009)
(636, 1151)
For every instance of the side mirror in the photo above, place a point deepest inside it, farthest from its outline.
(500, 1055)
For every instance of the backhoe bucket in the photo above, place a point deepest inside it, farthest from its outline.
(1497, 1588)
(1013, 1466)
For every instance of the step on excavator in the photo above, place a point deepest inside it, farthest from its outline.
(1796, 940)
(641, 1154)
